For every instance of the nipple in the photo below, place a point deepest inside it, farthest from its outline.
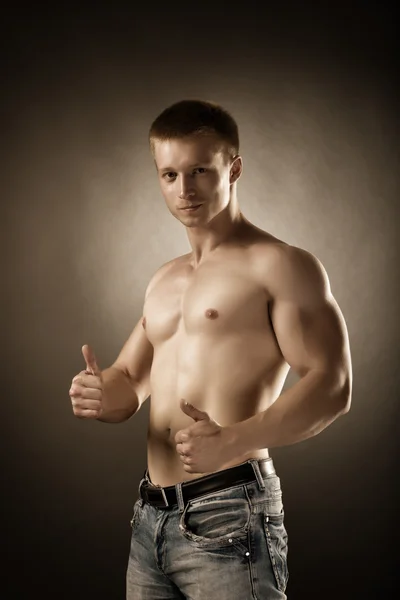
(144, 322)
(211, 313)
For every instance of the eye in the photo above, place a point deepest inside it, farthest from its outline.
(169, 176)
(200, 170)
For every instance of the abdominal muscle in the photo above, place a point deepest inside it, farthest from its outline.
(220, 378)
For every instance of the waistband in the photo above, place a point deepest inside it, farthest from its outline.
(247, 472)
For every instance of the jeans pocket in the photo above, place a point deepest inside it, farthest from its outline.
(137, 511)
(217, 521)
(277, 538)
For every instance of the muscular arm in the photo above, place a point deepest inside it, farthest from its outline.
(126, 381)
(312, 336)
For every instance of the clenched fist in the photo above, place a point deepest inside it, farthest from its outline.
(86, 391)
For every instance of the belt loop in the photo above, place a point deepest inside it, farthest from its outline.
(257, 473)
(179, 497)
(142, 481)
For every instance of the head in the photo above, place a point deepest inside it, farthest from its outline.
(195, 145)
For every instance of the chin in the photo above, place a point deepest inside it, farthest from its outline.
(193, 222)
(190, 220)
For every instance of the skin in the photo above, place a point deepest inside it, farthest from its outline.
(222, 325)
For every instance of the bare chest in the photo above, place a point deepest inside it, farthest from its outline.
(214, 300)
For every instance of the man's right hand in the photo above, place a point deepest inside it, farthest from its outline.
(86, 391)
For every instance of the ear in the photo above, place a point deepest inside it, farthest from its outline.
(236, 169)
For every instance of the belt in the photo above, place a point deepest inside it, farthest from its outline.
(239, 475)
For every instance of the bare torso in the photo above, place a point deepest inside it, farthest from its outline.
(214, 346)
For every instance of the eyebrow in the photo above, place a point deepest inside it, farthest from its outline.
(193, 166)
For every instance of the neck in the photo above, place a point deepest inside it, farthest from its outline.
(222, 229)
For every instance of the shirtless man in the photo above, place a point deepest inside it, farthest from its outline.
(221, 326)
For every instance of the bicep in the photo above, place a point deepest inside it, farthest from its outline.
(135, 360)
(308, 323)
(311, 338)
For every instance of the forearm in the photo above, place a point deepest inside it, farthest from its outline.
(120, 400)
(301, 412)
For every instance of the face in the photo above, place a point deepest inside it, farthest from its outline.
(195, 172)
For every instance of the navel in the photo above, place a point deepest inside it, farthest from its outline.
(211, 313)
(144, 322)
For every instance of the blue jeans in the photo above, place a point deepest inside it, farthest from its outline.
(225, 545)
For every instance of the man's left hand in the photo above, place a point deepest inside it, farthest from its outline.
(205, 446)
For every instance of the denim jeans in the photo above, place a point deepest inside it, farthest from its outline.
(225, 545)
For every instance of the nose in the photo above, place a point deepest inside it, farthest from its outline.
(186, 188)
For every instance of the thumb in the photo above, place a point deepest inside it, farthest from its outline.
(90, 359)
(193, 412)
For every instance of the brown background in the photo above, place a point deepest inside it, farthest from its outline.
(84, 227)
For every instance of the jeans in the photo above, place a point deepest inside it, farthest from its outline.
(225, 545)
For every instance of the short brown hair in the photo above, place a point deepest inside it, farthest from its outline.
(196, 117)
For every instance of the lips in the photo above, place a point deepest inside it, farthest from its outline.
(189, 208)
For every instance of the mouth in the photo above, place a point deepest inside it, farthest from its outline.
(191, 208)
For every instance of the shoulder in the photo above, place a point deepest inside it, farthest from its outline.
(165, 270)
(290, 271)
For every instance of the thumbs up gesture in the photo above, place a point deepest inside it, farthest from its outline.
(204, 446)
(86, 390)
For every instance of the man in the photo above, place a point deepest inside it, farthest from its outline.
(221, 326)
